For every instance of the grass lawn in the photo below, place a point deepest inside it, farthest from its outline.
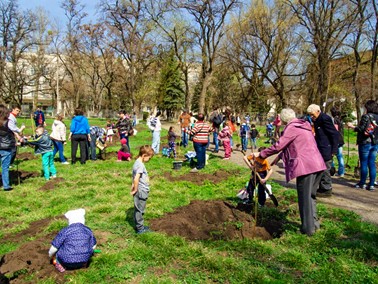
(345, 250)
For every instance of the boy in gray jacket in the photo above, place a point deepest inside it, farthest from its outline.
(43, 145)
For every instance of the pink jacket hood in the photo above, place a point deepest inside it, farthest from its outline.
(298, 150)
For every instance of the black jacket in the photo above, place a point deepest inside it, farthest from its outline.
(7, 140)
(326, 136)
(360, 129)
(340, 127)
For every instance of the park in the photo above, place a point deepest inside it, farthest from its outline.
(201, 231)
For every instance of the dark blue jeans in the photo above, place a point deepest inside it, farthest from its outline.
(367, 154)
(216, 141)
(184, 136)
(58, 146)
(5, 156)
(200, 149)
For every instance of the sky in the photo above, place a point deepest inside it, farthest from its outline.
(54, 10)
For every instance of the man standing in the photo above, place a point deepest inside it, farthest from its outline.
(12, 125)
(124, 126)
(39, 117)
(184, 120)
(216, 118)
(327, 140)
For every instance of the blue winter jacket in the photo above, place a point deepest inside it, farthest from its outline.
(79, 125)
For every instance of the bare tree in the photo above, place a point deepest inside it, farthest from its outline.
(374, 48)
(177, 35)
(16, 36)
(129, 30)
(208, 28)
(72, 61)
(327, 23)
(265, 39)
(356, 44)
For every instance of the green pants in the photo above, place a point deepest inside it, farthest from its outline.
(48, 165)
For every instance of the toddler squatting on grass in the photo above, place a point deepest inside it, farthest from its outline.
(74, 245)
(140, 187)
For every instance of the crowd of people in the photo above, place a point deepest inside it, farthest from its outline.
(307, 145)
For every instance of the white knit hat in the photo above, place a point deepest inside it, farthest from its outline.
(76, 216)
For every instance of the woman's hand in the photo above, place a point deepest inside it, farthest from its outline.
(350, 125)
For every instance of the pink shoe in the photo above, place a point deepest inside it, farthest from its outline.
(58, 266)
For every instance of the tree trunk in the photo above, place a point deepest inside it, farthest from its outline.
(202, 98)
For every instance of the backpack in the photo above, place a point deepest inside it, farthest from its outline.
(370, 127)
(217, 120)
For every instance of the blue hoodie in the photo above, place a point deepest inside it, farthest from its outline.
(79, 125)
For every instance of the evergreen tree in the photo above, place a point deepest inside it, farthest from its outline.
(171, 94)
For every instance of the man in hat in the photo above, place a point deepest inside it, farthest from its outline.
(39, 117)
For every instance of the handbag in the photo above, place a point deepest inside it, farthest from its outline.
(130, 132)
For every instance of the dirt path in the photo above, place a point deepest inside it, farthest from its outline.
(344, 195)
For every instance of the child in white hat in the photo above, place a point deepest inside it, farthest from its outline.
(73, 247)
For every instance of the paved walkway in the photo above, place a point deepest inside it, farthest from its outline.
(344, 196)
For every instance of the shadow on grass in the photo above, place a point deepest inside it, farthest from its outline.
(129, 216)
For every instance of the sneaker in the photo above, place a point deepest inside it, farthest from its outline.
(226, 158)
(59, 267)
(54, 176)
(358, 186)
(194, 170)
(144, 230)
(65, 163)
(8, 189)
(370, 188)
(119, 161)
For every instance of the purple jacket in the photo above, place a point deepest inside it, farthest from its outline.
(298, 148)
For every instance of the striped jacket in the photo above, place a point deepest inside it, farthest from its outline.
(200, 132)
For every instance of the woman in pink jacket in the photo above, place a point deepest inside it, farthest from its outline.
(303, 161)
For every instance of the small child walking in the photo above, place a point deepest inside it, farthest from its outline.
(73, 247)
(123, 153)
(44, 146)
(140, 187)
(171, 142)
(225, 137)
(109, 131)
(262, 169)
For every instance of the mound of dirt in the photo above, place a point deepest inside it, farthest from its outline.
(51, 184)
(209, 220)
(32, 257)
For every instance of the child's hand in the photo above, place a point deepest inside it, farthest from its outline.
(263, 180)
(133, 190)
